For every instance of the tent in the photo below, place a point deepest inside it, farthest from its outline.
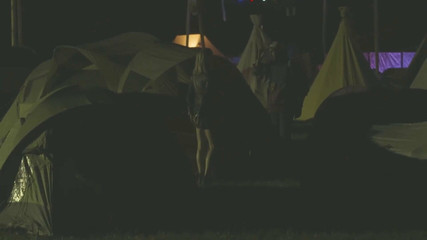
(195, 41)
(344, 68)
(257, 43)
(416, 73)
(408, 138)
(15, 65)
(89, 129)
(420, 80)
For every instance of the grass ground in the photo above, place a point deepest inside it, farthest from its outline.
(272, 234)
(285, 208)
(280, 209)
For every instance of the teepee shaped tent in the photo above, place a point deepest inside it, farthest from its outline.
(417, 70)
(257, 43)
(343, 67)
(420, 80)
(195, 41)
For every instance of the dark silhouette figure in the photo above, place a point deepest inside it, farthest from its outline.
(287, 86)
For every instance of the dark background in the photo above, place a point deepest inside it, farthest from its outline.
(49, 23)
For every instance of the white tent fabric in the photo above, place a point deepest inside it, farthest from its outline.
(257, 43)
(89, 75)
(408, 139)
(101, 65)
(54, 87)
(344, 67)
(35, 173)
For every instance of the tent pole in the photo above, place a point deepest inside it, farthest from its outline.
(224, 15)
(13, 23)
(376, 33)
(324, 27)
(202, 35)
(16, 22)
(187, 24)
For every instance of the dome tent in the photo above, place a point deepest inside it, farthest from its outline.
(15, 65)
(407, 137)
(107, 94)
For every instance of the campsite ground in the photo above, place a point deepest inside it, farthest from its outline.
(280, 209)
(268, 210)
(284, 207)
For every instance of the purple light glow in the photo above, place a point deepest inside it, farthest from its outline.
(390, 59)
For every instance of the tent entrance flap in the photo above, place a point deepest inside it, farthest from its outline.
(29, 204)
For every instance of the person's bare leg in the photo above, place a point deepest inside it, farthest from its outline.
(201, 145)
(211, 148)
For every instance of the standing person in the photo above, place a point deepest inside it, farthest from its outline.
(199, 106)
(272, 66)
(286, 82)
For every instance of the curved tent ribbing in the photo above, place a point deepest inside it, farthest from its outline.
(91, 75)
(97, 65)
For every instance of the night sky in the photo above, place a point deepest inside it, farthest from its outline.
(49, 23)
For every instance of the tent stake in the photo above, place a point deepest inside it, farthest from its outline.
(376, 33)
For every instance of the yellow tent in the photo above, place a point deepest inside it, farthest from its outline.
(257, 43)
(195, 41)
(344, 67)
(417, 70)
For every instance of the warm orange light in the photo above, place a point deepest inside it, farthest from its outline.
(193, 40)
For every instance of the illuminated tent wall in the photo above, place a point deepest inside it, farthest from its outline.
(344, 67)
(84, 91)
(257, 43)
(387, 60)
(195, 41)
